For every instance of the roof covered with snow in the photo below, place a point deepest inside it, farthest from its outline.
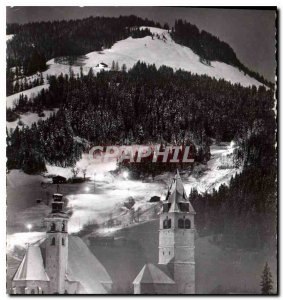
(151, 273)
(32, 267)
(83, 266)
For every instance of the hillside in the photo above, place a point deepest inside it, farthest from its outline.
(160, 50)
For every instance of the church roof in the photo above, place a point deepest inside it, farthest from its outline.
(177, 195)
(32, 266)
(83, 266)
(151, 273)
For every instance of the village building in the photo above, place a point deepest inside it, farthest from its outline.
(59, 179)
(175, 271)
(60, 263)
(102, 65)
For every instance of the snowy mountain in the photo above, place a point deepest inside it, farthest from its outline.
(160, 50)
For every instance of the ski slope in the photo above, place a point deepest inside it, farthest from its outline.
(102, 198)
(159, 50)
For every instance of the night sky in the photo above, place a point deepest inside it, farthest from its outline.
(251, 33)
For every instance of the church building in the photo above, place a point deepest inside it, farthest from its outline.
(60, 263)
(175, 271)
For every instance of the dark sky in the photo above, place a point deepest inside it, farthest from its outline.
(251, 33)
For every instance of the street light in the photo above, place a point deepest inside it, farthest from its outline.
(87, 189)
(29, 227)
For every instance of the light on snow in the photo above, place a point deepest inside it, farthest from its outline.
(29, 227)
(99, 177)
(125, 174)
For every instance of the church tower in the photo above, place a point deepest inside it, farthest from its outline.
(177, 237)
(57, 245)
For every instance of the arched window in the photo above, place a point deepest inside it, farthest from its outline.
(167, 223)
(63, 242)
(53, 227)
(187, 224)
(63, 227)
(53, 241)
(180, 223)
(32, 291)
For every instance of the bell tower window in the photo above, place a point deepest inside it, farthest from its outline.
(53, 241)
(167, 223)
(63, 227)
(63, 242)
(181, 223)
(53, 227)
(187, 224)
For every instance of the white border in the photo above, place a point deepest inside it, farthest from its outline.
(3, 94)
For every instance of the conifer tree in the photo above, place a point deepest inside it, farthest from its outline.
(113, 66)
(266, 281)
(117, 66)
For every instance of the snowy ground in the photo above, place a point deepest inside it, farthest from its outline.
(9, 37)
(30, 93)
(102, 198)
(21, 239)
(29, 118)
(159, 51)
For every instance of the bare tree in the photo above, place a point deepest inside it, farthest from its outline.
(75, 171)
(84, 172)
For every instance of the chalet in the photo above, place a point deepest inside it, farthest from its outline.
(102, 65)
(59, 179)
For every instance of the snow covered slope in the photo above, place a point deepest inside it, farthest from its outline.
(30, 93)
(9, 37)
(27, 119)
(159, 50)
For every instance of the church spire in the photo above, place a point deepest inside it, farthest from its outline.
(177, 236)
(177, 200)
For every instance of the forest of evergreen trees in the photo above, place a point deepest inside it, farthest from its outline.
(146, 105)
(244, 213)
